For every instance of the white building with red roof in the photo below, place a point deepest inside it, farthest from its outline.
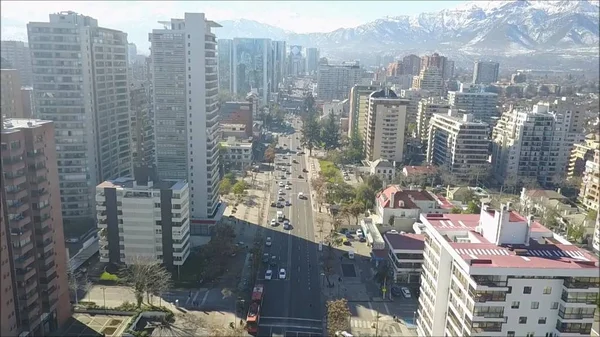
(405, 253)
(502, 274)
(405, 206)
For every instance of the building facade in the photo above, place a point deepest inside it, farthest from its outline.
(185, 107)
(32, 220)
(312, 60)
(142, 125)
(252, 67)
(482, 105)
(88, 100)
(18, 55)
(430, 79)
(141, 219)
(485, 72)
(335, 81)
(359, 108)
(589, 193)
(237, 153)
(386, 125)
(425, 110)
(279, 64)
(581, 153)
(460, 144)
(499, 273)
(405, 254)
(11, 99)
(225, 52)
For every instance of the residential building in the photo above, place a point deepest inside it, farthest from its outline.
(581, 153)
(335, 81)
(404, 206)
(225, 52)
(386, 125)
(411, 65)
(140, 69)
(425, 110)
(448, 69)
(131, 52)
(237, 153)
(458, 144)
(37, 301)
(28, 101)
(412, 171)
(536, 144)
(359, 109)
(237, 131)
(414, 96)
(279, 64)
(589, 193)
(405, 254)
(82, 85)
(485, 72)
(142, 124)
(312, 60)
(296, 61)
(187, 119)
(482, 105)
(239, 113)
(384, 169)
(253, 67)
(500, 273)
(11, 100)
(430, 79)
(596, 237)
(144, 219)
(18, 55)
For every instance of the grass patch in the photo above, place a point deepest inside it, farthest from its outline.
(106, 276)
(330, 172)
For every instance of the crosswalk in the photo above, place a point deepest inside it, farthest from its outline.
(384, 325)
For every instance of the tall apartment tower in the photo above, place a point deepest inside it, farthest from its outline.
(359, 109)
(131, 52)
(335, 81)
(386, 124)
(500, 273)
(33, 225)
(589, 193)
(482, 105)
(11, 97)
(536, 144)
(279, 64)
(225, 52)
(460, 144)
(426, 108)
(17, 54)
(411, 65)
(81, 84)
(186, 118)
(312, 60)
(142, 125)
(252, 67)
(430, 79)
(485, 72)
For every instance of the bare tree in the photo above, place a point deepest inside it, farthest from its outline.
(146, 276)
(77, 283)
(338, 316)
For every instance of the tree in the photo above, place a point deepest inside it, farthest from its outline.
(328, 263)
(455, 210)
(339, 193)
(270, 155)
(374, 182)
(365, 195)
(225, 186)
(310, 133)
(78, 283)
(576, 232)
(309, 104)
(146, 276)
(330, 134)
(239, 189)
(592, 214)
(356, 209)
(338, 316)
(472, 208)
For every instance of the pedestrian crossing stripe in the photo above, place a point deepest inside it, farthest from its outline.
(384, 326)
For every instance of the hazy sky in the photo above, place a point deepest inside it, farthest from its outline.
(138, 18)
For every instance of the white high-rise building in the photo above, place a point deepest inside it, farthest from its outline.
(184, 71)
(335, 81)
(425, 110)
(482, 105)
(81, 83)
(499, 273)
(430, 79)
(385, 128)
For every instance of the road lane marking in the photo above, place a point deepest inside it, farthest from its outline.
(196, 296)
(290, 326)
(204, 298)
(386, 308)
(371, 309)
(293, 319)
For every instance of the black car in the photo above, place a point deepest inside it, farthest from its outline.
(396, 291)
(304, 170)
(273, 204)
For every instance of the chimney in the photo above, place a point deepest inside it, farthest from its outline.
(528, 233)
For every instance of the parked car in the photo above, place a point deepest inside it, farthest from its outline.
(405, 292)
(268, 241)
(268, 274)
(282, 274)
(396, 291)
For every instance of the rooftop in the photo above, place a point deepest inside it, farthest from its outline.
(395, 197)
(544, 250)
(13, 124)
(414, 170)
(405, 241)
(129, 183)
(547, 194)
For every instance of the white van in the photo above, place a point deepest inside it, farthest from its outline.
(279, 215)
(351, 255)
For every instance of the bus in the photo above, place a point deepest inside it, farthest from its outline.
(253, 317)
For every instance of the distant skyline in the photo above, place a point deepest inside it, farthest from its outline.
(138, 18)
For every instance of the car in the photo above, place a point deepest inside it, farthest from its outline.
(268, 274)
(288, 203)
(288, 183)
(346, 178)
(265, 258)
(273, 204)
(359, 232)
(284, 157)
(268, 241)
(273, 260)
(273, 222)
(304, 170)
(282, 274)
(288, 187)
(288, 172)
(396, 291)
(280, 205)
(343, 334)
(282, 177)
(349, 235)
(301, 153)
(346, 242)
(281, 184)
(281, 192)
(300, 195)
(362, 239)
(405, 292)
(281, 198)
(295, 161)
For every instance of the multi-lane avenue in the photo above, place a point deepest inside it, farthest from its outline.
(291, 306)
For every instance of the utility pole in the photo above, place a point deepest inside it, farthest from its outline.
(377, 325)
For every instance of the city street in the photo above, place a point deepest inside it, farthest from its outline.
(293, 305)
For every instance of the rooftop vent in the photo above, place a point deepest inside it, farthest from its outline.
(521, 252)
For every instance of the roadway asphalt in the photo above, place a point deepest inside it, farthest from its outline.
(293, 305)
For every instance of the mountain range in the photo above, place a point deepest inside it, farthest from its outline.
(568, 28)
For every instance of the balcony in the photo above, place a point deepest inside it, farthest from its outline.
(24, 274)
(575, 329)
(18, 207)
(16, 193)
(29, 298)
(13, 164)
(14, 178)
(20, 222)
(565, 316)
(574, 284)
(23, 249)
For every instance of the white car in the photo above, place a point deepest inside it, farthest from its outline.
(288, 187)
(268, 242)
(359, 232)
(268, 274)
(273, 222)
(281, 192)
(300, 195)
(288, 183)
(405, 292)
(281, 184)
(281, 274)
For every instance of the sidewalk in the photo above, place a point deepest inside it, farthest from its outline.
(252, 212)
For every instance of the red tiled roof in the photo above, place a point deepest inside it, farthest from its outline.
(408, 241)
(395, 193)
(444, 203)
(412, 170)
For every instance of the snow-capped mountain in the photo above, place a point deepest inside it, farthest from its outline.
(477, 27)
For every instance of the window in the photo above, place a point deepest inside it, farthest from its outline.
(554, 305)
(542, 320)
(515, 305)
(547, 290)
(535, 305)
(510, 334)
(522, 320)
(527, 290)
(530, 334)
